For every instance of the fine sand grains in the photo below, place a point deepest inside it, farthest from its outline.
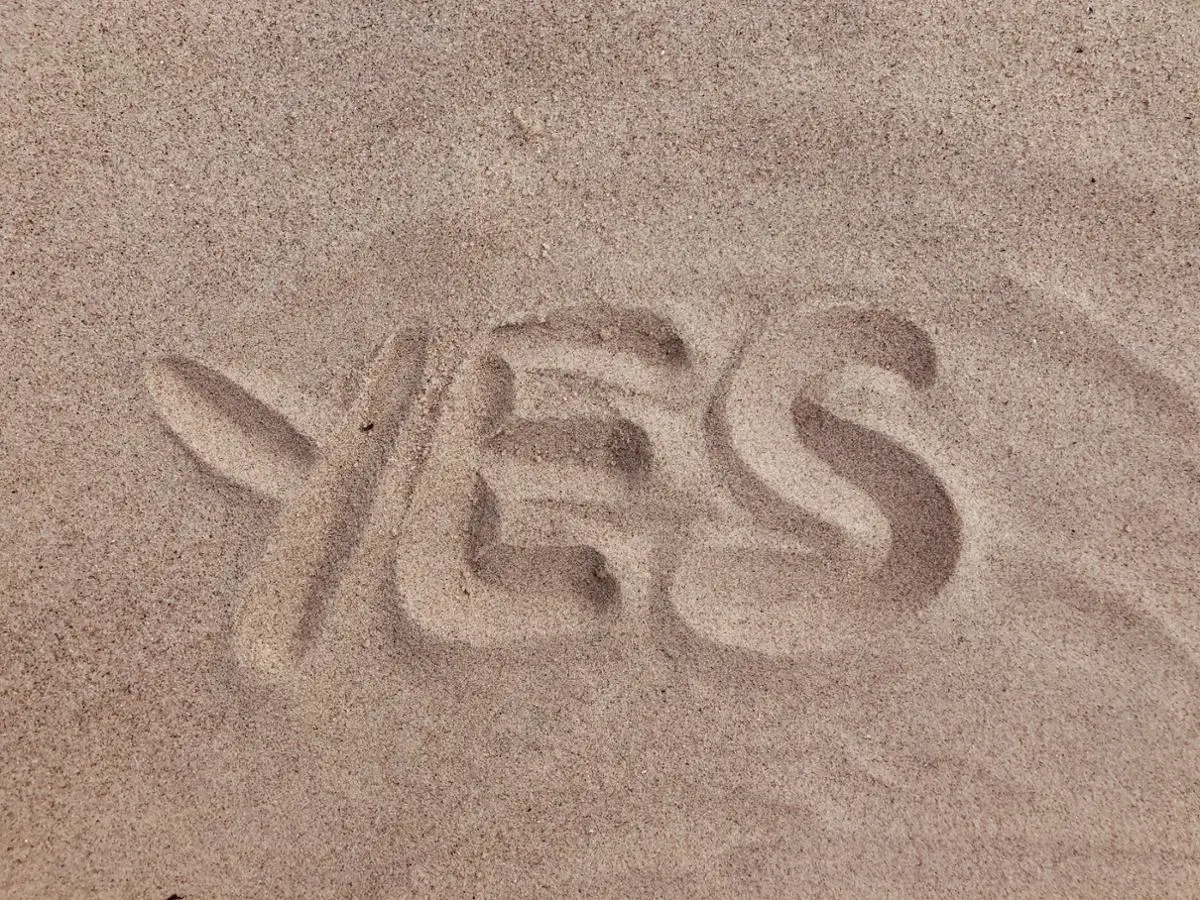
(512, 450)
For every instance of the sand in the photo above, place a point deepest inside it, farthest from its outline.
(660, 449)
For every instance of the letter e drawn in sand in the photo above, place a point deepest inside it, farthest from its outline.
(520, 527)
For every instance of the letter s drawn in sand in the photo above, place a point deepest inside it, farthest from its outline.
(886, 532)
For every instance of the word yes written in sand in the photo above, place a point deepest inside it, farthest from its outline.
(589, 472)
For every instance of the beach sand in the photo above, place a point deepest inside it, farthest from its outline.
(513, 449)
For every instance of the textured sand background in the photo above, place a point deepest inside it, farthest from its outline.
(204, 203)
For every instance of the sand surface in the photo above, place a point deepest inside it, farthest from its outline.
(654, 449)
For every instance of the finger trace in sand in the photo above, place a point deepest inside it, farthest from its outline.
(761, 440)
(463, 573)
(574, 577)
(281, 609)
(229, 430)
(636, 332)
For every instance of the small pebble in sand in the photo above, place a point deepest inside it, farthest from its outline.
(530, 127)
